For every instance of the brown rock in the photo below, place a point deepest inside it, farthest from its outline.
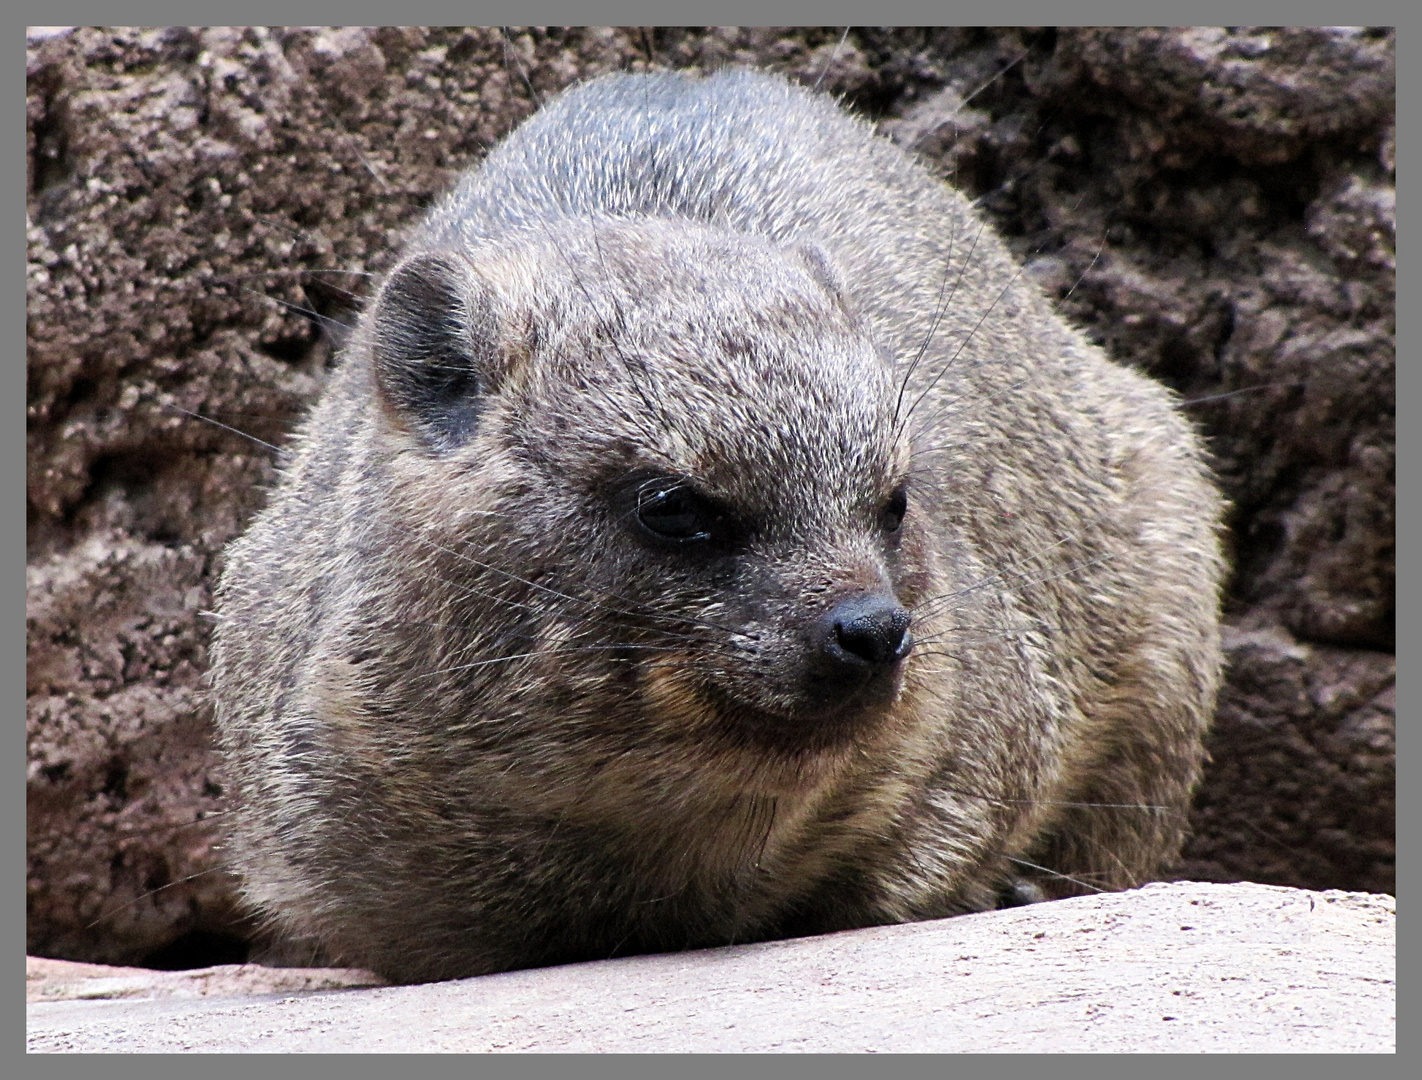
(1261, 93)
(121, 802)
(1302, 787)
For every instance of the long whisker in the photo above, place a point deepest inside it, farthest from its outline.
(941, 307)
(1053, 873)
(964, 344)
(1027, 584)
(597, 608)
(224, 427)
(109, 912)
(638, 612)
(545, 652)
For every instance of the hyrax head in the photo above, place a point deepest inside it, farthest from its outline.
(670, 458)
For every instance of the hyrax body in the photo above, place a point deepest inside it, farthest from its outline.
(708, 537)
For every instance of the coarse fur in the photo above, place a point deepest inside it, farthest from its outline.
(481, 710)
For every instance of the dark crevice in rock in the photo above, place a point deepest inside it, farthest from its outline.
(198, 949)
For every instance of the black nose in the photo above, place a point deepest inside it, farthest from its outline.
(867, 630)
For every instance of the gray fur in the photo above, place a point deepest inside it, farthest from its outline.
(476, 720)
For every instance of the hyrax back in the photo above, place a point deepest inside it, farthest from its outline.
(707, 536)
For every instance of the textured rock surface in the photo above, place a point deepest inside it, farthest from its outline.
(205, 207)
(65, 980)
(1180, 967)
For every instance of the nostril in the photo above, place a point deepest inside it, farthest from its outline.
(872, 629)
(859, 639)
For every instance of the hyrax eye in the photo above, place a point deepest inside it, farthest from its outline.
(894, 510)
(675, 513)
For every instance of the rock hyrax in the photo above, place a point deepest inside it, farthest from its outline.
(708, 536)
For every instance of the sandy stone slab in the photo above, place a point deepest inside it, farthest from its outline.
(65, 980)
(1184, 966)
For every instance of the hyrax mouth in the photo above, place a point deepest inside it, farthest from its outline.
(803, 730)
(838, 685)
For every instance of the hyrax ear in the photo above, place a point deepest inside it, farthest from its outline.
(436, 345)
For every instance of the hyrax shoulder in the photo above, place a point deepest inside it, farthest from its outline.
(708, 536)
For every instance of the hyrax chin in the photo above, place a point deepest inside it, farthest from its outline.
(709, 537)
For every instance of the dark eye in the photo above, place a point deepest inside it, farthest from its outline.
(675, 513)
(895, 509)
